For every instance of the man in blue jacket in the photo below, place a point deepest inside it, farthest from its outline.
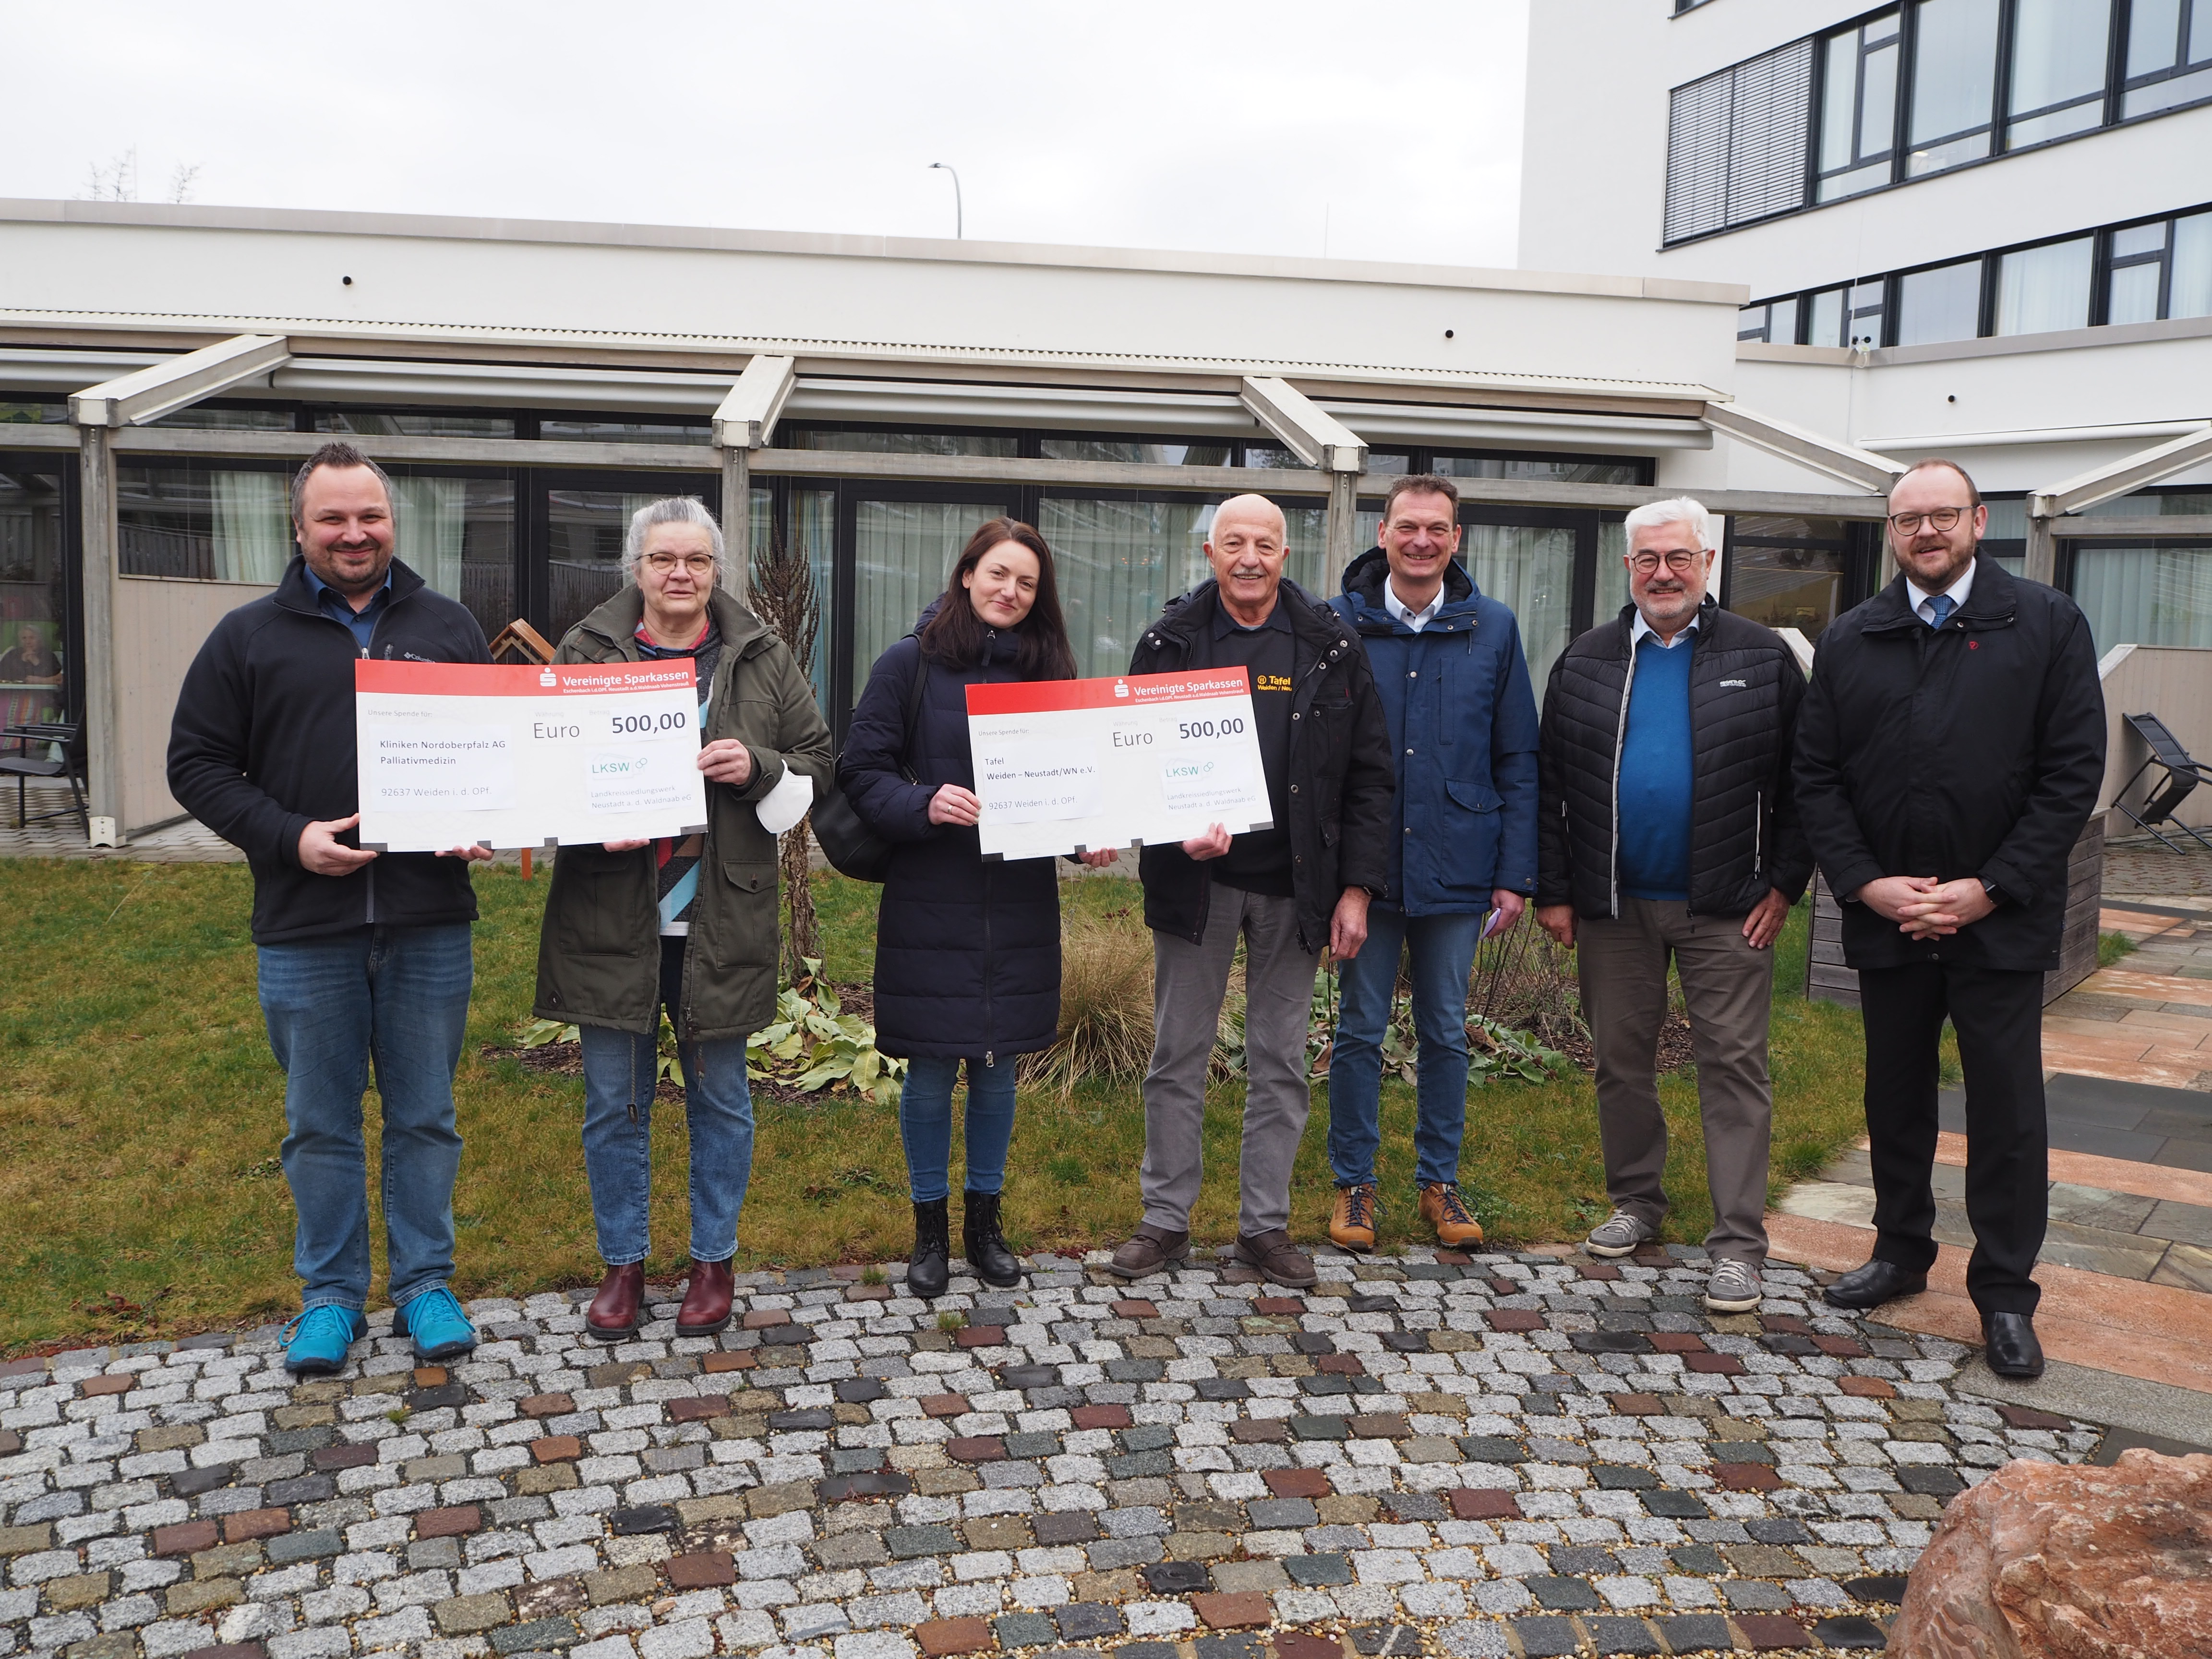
(1455, 686)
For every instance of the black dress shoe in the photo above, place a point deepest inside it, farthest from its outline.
(1873, 1284)
(2011, 1349)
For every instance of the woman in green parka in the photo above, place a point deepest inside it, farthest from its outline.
(689, 925)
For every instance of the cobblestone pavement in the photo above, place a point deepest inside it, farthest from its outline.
(1509, 1454)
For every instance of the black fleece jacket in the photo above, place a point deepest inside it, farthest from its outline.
(262, 745)
(1340, 775)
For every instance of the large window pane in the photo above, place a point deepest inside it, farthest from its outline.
(905, 443)
(2145, 596)
(412, 423)
(1533, 571)
(1858, 108)
(1787, 572)
(31, 412)
(2154, 36)
(34, 647)
(563, 429)
(1118, 563)
(1954, 80)
(1826, 327)
(458, 534)
(1543, 470)
(2058, 53)
(1942, 304)
(2189, 294)
(2041, 290)
(1108, 449)
(2132, 296)
(904, 551)
(1611, 573)
(215, 417)
(584, 542)
(1839, 106)
(196, 522)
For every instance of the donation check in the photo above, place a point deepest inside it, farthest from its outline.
(451, 753)
(1064, 766)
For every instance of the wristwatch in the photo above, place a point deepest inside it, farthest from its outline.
(1996, 893)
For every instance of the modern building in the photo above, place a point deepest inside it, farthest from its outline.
(1980, 229)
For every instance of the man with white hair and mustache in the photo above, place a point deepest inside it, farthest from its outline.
(1668, 831)
(1287, 889)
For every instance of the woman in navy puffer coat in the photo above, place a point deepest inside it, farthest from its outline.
(967, 949)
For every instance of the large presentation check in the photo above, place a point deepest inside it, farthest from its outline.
(451, 753)
(1064, 766)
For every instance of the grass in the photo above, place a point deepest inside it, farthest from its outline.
(141, 1114)
(2110, 947)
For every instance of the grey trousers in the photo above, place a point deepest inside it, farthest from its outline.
(1728, 986)
(1189, 982)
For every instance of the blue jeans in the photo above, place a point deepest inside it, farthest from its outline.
(925, 1125)
(398, 997)
(1443, 949)
(619, 1077)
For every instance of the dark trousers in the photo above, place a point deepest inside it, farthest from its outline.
(1998, 1015)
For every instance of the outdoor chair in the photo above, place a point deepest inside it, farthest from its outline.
(2183, 775)
(31, 754)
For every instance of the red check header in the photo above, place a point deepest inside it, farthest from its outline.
(469, 679)
(1125, 692)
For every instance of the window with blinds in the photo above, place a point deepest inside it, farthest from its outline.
(1736, 143)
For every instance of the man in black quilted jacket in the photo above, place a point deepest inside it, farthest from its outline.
(1668, 831)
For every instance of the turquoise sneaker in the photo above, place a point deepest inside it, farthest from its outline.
(318, 1339)
(436, 1322)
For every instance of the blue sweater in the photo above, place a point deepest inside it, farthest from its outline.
(1657, 765)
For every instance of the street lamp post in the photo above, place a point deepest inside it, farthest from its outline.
(959, 214)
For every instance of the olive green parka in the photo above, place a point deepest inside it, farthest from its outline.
(598, 953)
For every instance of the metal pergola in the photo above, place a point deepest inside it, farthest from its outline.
(111, 419)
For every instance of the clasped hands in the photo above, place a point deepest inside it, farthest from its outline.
(1925, 908)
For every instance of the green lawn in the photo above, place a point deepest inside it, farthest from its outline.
(140, 1117)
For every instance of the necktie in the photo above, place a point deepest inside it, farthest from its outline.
(1940, 609)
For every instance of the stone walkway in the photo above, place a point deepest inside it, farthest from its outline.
(1495, 1455)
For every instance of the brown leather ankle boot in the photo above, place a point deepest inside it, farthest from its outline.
(613, 1315)
(706, 1307)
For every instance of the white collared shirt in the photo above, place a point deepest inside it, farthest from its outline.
(1416, 620)
(1957, 591)
(1639, 627)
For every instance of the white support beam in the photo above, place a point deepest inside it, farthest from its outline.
(2131, 472)
(737, 521)
(1852, 464)
(147, 394)
(1310, 432)
(750, 412)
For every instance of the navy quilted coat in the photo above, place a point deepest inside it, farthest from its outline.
(967, 949)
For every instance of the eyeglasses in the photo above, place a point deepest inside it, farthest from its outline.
(1681, 562)
(699, 564)
(1941, 518)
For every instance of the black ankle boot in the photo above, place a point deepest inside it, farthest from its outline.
(929, 1269)
(988, 1258)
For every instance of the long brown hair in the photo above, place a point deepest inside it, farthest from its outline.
(954, 637)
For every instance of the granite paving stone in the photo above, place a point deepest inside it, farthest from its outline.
(1467, 1456)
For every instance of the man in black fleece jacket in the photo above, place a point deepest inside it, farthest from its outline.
(362, 955)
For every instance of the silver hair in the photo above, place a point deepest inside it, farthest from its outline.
(672, 509)
(1678, 509)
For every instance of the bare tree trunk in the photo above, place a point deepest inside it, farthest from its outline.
(783, 596)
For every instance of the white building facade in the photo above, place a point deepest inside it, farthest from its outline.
(1979, 228)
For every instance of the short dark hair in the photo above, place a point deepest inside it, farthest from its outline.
(339, 453)
(954, 637)
(1973, 496)
(1421, 484)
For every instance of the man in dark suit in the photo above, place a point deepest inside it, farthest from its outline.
(1949, 752)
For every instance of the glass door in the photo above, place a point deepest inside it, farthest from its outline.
(575, 543)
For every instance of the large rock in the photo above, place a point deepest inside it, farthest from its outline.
(2068, 1561)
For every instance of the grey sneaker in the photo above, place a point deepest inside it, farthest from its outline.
(1618, 1235)
(1733, 1287)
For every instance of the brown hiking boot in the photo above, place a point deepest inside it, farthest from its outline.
(1443, 1209)
(1279, 1261)
(1352, 1218)
(1150, 1249)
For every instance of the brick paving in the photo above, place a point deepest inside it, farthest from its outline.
(1429, 1454)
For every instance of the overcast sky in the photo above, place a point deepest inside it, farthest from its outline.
(1262, 126)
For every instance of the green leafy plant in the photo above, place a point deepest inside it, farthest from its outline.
(814, 1045)
(537, 1033)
